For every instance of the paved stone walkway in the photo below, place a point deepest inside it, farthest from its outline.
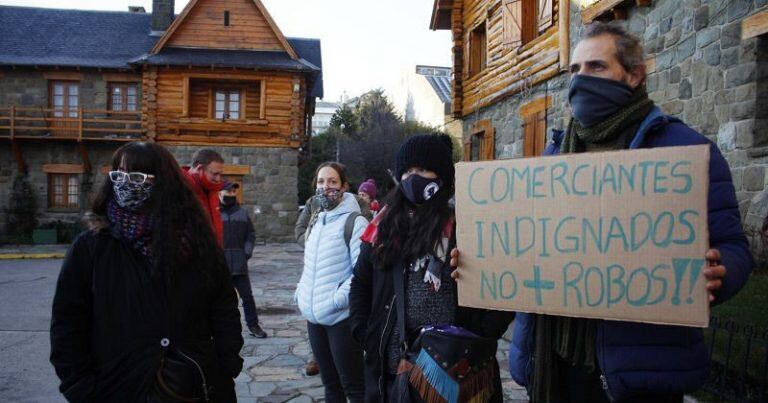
(274, 367)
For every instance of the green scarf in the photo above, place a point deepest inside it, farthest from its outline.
(560, 340)
(606, 131)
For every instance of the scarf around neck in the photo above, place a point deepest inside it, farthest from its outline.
(604, 132)
(135, 227)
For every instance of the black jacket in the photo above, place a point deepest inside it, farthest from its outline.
(239, 237)
(110, 313)
(373, 315)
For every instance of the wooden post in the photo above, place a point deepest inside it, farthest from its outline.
(84, 156)
(564, 34)
(13, 123)
(263, 99)
(185, 96)
(80, 123)
(19, 157)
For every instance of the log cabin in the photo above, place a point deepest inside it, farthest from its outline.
(75, 85)
(706, 64)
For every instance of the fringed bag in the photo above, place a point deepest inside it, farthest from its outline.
(447, 364)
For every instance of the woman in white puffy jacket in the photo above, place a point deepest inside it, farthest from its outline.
(330, 252)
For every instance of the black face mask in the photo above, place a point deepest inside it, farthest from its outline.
(593, 99)
(229, 201)
(418, 189)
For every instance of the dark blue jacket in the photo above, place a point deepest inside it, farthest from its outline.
(637, 357)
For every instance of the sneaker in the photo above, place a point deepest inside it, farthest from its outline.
(257, 332)
(312, 368)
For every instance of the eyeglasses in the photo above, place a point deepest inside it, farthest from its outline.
(133, 177)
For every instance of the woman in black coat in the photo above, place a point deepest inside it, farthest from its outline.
(404, 260)
(144, 310)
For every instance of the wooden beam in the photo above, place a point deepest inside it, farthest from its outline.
(63, 75)
(754, 25)
(19, 157)
(263, 100)
(536, 106)
(226, 76)
(564, 33)
(237, 170)
(185, 96)
(13, 121)
(64, 168)
(601, 7)
(84, 155)
(121, 77)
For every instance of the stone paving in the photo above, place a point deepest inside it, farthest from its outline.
(274, 367)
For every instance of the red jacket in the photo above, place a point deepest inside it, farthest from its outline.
(208, 194)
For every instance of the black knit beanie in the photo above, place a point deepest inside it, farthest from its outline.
(428, 151)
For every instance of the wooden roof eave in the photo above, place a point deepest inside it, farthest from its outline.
(440, 7)
(178, 21)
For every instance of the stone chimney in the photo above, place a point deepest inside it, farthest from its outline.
(162, 15)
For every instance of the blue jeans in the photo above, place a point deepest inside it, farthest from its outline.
(242, 284)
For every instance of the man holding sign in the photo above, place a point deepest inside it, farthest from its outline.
(620, 253)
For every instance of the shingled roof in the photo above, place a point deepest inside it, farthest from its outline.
(120, 40)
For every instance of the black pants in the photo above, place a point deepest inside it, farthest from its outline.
(242, 284)
(340, 360)
(581, 386)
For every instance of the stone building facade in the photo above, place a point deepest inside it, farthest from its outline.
(702, 69)
(107, 78)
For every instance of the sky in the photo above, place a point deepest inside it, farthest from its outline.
(366, 44)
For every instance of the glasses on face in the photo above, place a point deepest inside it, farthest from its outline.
(137, 178)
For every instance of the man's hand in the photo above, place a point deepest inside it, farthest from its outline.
(714, 272)
(455, 263)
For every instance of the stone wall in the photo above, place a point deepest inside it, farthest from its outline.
(271, 186)
(29, 88)
(37, 153)
(508, 123)
(701, 71)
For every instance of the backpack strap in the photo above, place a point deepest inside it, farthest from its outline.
(349, 227)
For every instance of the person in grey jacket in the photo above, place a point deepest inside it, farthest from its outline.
(238, 248)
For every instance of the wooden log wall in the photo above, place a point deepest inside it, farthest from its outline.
(149, 103)
(457, 31)
(166, 122)
(509, 69)
(204, 27)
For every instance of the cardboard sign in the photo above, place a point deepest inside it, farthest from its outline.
(613, 235)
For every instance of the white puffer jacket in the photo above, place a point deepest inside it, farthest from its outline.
(323, 290)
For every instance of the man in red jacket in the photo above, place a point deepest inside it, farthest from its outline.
(205, 178)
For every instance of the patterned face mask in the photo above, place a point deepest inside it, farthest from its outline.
(328, 198)
(132, 196)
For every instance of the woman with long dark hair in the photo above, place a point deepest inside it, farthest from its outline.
(402, 286)
(144, 309)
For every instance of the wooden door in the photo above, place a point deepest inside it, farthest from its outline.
(64, 103)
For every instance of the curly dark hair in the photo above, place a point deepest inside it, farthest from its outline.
(400, 236)
(182, 229)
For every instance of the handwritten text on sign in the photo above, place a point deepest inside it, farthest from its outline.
(615, 235)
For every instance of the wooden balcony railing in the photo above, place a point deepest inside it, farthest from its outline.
(73, 124)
